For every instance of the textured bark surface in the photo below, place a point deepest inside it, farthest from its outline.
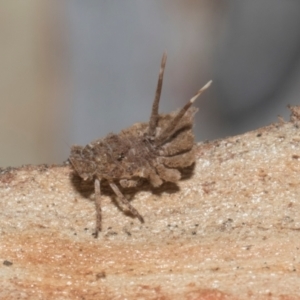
(229, 230)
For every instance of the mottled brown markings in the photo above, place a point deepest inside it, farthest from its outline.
(153, 151)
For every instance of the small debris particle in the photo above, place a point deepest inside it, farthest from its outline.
(295, 113)
(109, 233)
(127, 232)
(101, 275)
(7, 263)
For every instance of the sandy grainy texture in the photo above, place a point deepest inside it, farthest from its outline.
(230, 230)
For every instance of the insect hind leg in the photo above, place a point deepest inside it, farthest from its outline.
(98, 207)
(154, 113)
(170, 129)
(126, 202)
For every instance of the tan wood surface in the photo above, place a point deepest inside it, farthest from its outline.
(229, 230)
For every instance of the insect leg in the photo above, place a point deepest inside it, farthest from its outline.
(154, 113)
(182, 142)
(169, 131)
(180, 161)
(125, 202)
(171, 175)
(98, 207)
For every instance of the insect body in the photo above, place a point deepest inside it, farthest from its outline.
(153, 151)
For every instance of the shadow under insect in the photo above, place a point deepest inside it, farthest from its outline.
(150, 156)
(86, 188)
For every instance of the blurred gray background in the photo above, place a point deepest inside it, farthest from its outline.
(72, 71)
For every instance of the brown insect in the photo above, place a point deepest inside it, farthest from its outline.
(153, 151)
